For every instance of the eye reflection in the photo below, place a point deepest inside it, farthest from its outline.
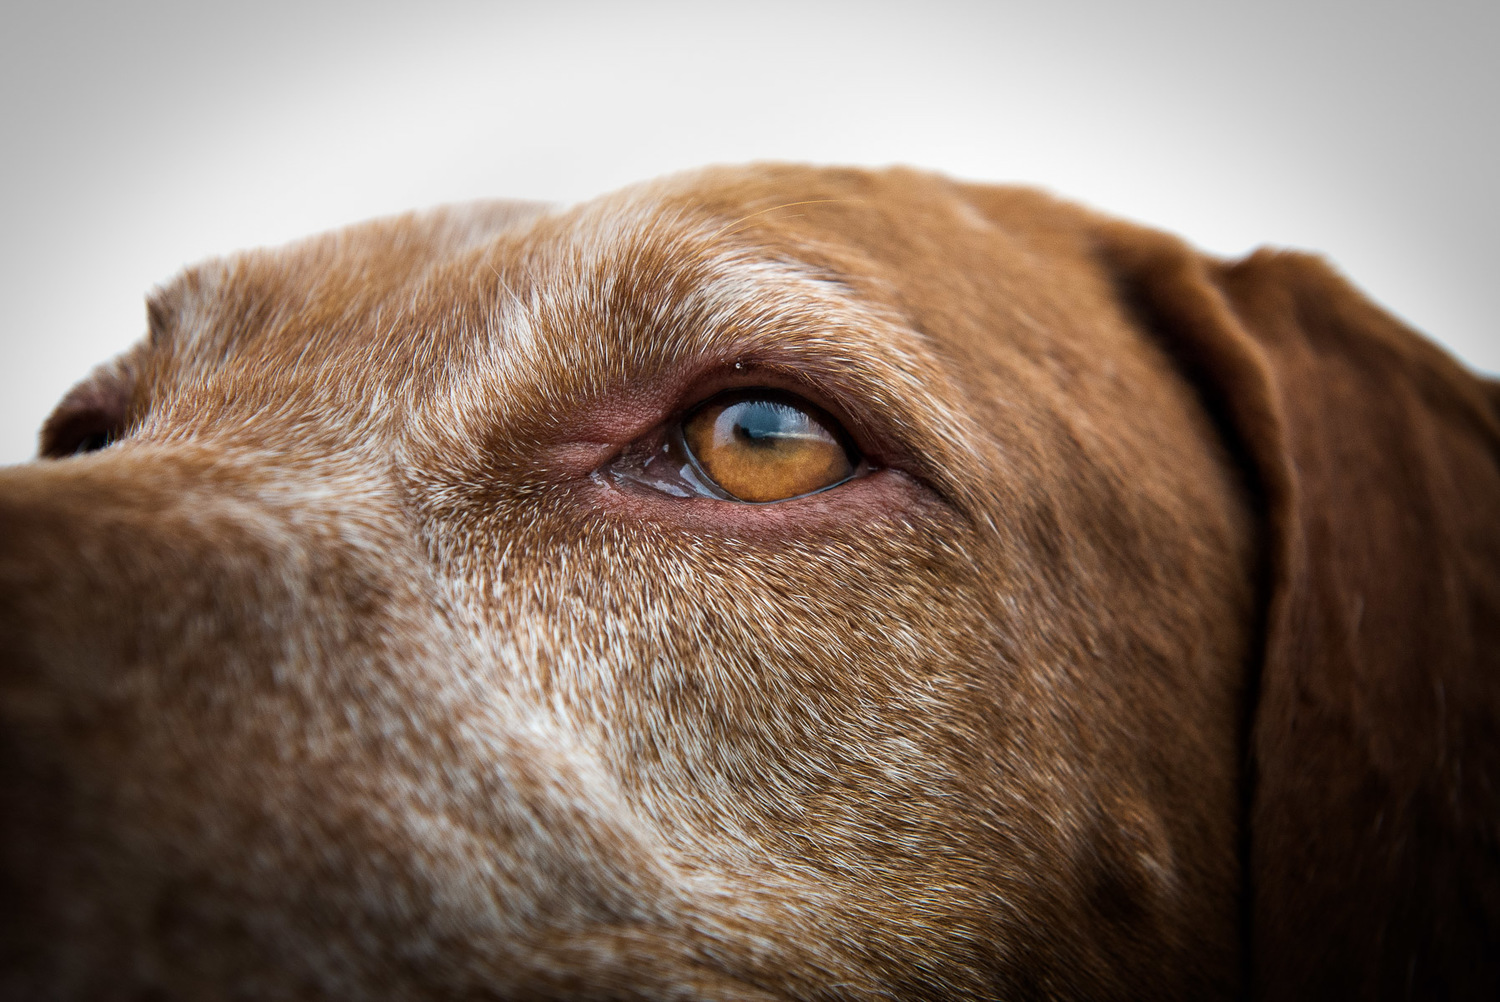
(766, 448)
(757, 446)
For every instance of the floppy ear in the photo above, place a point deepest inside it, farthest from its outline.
(1373, 767)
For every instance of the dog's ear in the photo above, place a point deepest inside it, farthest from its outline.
(1373, 759)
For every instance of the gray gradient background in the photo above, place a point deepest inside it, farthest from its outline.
(139, 138)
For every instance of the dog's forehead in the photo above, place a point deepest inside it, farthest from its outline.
(325, 293)
(708, 239)
(543, 302)
(632, 290)
(480, 324)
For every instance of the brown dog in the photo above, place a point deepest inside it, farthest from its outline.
(765, 583)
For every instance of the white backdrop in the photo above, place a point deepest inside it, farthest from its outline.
(138, 138)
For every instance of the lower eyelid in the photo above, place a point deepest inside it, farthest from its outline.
(859, 505)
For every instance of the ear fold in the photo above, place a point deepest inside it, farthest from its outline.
(1373, 776)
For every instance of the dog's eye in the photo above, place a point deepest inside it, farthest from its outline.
(93, 414)
(753, 445)
(761, 446)
(73, 433)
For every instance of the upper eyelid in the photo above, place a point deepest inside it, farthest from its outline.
(554, 370)
(782, 314)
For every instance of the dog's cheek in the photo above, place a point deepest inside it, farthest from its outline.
(741, 638)
(819, 711)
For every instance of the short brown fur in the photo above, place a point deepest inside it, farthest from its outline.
(1157, 660)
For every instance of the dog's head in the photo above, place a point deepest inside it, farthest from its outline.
(763, 583)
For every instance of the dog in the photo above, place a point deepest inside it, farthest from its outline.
(763, 583)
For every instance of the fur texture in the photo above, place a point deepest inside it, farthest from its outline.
(1157, 659)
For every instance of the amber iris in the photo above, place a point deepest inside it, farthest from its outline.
(761, 445)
